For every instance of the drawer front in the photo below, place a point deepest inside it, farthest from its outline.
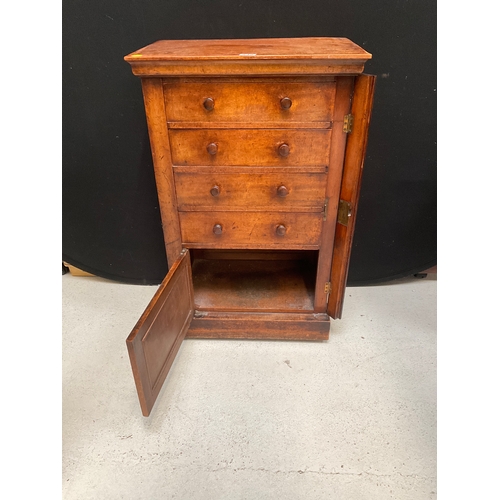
(250, 229)
(233, 102)
(240, 191)
(264, 147)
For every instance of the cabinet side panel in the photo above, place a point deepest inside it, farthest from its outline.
(364, 88)
(152, 89)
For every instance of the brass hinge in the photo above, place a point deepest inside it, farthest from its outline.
(347, 128)
(344, 212)
(328, 287)
(325, 208)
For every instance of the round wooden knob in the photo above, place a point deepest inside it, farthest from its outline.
(215, 191)
(280, 230)
(209, 104)
(217, 229)
(284, 150)
(286, 103)
(212, 148)
(282, 191)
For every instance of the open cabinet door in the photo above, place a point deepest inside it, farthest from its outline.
(361, 108)
(157, 336)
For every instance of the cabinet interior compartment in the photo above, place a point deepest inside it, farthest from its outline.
(254, 280)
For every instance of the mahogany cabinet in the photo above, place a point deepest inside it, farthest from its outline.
(258, 149)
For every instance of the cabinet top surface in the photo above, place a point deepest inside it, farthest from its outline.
(265, 49)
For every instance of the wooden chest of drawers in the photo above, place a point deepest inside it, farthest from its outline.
(258, 148)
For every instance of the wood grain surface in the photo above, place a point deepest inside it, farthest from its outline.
(238, 191)
(335, 172)
(252, 49)
(351, 184)
(259, 103)
(250, 147)
(253, 285)
(259, 326)
(160, 149)
(250, 229)
(257, 56)
(157, 336)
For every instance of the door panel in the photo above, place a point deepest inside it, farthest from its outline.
(361, 109)
(157, 336)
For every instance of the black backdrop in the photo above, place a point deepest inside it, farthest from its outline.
(111, 222)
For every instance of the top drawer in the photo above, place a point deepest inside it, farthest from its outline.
(240, 102)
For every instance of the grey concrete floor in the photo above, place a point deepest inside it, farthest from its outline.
(351, 418)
